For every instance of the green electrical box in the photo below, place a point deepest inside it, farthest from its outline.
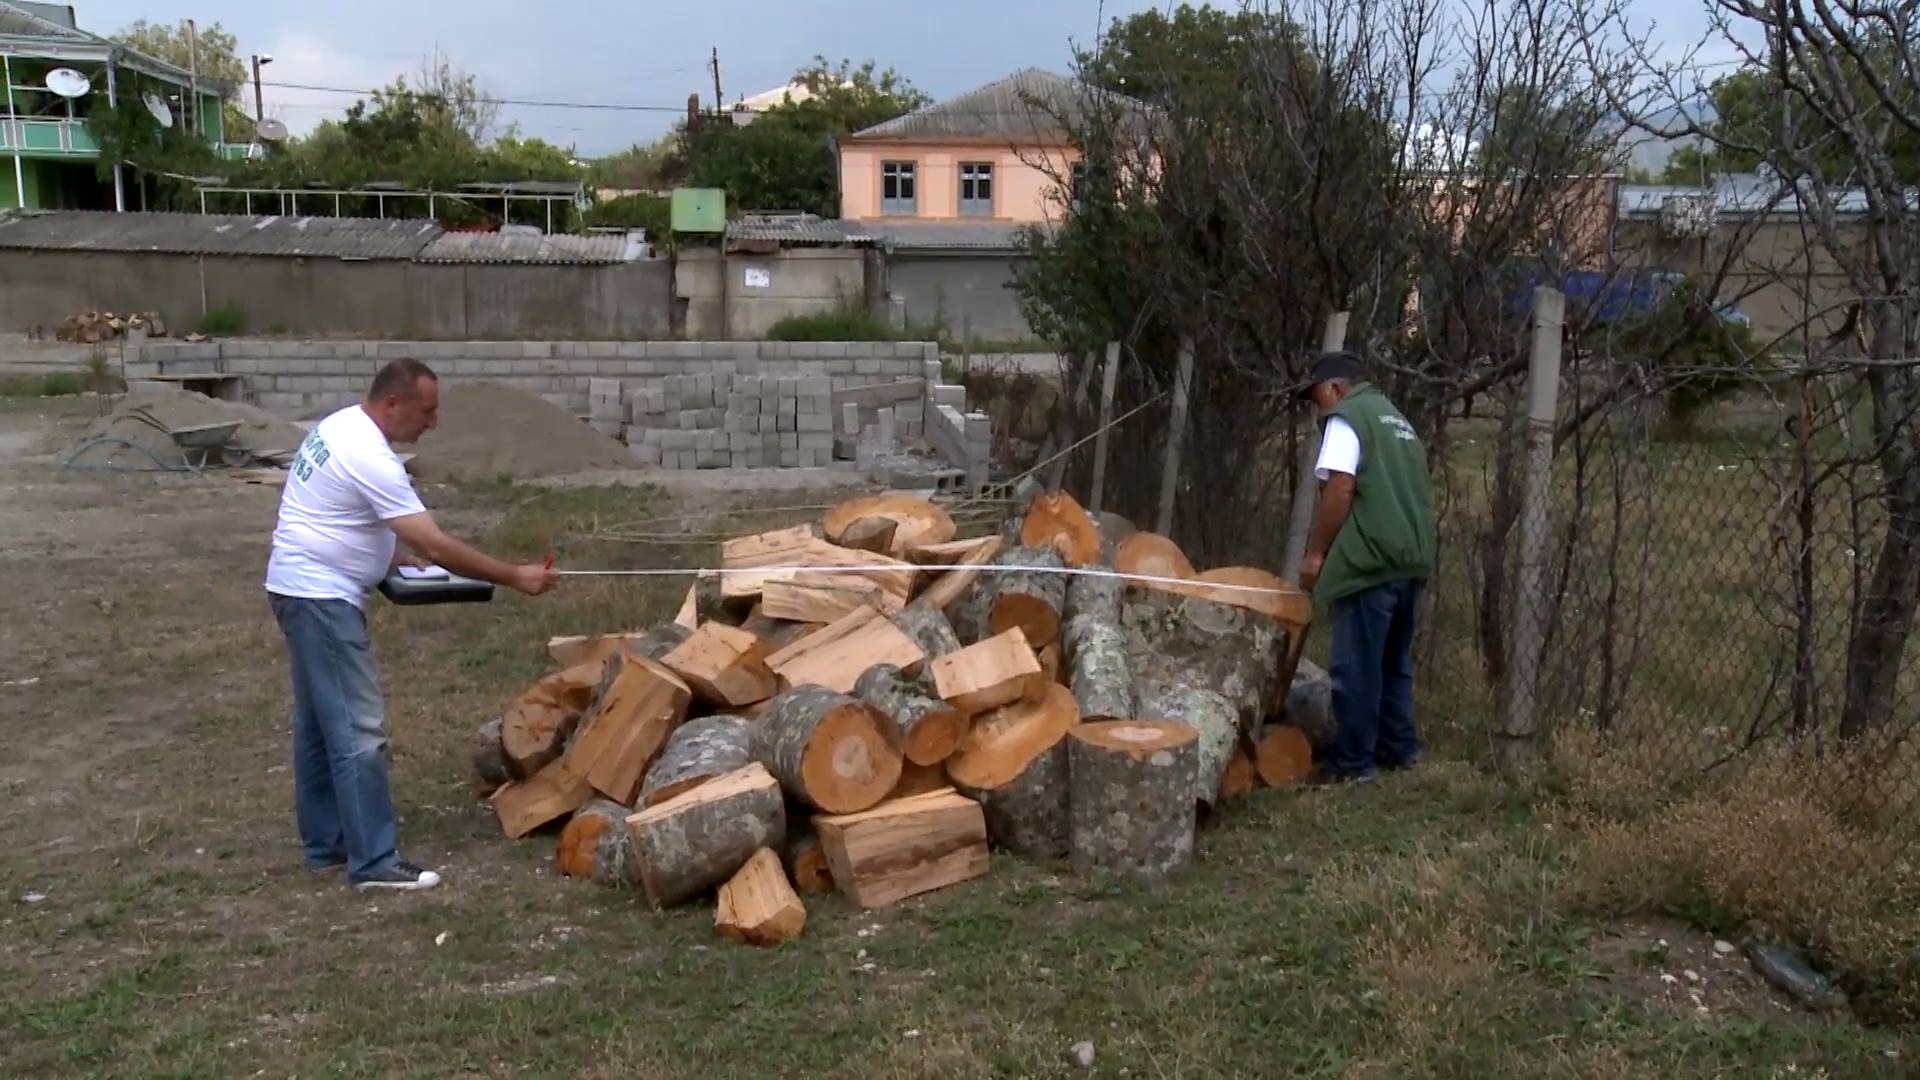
(699, 210)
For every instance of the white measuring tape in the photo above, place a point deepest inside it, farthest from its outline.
(1069, 571)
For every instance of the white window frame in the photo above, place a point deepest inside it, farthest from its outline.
(897, 172)
(974, 173)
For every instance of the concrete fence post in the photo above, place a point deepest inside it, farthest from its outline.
(1518, 747)
(1306, 490)
(1109, 379)
(1176, 434)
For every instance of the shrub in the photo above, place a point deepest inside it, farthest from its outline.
(225, 320)
(838, 324)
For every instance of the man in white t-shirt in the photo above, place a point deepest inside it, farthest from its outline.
(347, 503)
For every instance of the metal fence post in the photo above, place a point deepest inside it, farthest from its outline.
(1306, 492)
(1109, 378)
(1517, 748)
(1170, 474)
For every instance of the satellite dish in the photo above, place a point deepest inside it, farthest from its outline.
(68, 83)
(271, 131)
(157, 105)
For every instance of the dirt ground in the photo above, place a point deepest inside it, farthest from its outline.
(155, 920)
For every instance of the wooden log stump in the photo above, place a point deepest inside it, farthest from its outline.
(1031, 601)
(901, 849)
(1131, 796)
(805, 862)
(1211, 717)
(697, 840)
(930, 729)
(490, 766)
(1284, 756)
(1151, 555)
(1241, 777)
(1056, 522)
(1189, 641)
(724, 666)
(644, 702)
(998, 671)
(1099, 668)
(698, 751)
(830, 751)
(1014, 763)
(875, 534)
(757, 906)
(929, 628)
(917, 522)
(595, 846)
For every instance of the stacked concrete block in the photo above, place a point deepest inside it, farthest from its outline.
(606, 407)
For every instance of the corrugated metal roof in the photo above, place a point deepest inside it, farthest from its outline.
(548, 250)
(800, 230)
(1023, 104)
(194, 234)
(806, 230)
(20, 22)
(953, 236)
(1743, 194)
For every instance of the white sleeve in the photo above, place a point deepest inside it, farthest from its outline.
(1339, 449)
(382, 480)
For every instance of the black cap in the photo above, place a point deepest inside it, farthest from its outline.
(1331, 365)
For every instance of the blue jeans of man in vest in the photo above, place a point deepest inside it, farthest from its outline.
(340, 795)
(1372, 674)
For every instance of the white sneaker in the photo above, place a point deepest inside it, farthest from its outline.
(403, 876)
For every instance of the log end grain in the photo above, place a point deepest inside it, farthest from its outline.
(594, 846)
(1284, 757)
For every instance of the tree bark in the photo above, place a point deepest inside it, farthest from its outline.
(490, 767)
(692, 843)
(1014, 764)
(929, 628)
(1131, 796)
(1189, 641)
(595, 845)
(930, 729)
(1212, 718)
(1310, 704)
(1031, 601)
(1099, 670)
(698, 751)
(830, 751)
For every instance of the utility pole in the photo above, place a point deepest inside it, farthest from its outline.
(193, 72)
(259, 100)
(719, 102)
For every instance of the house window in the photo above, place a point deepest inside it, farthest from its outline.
(1079, 184)
(976, 189)
(899, 193)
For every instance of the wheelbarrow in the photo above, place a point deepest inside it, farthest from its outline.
(199, 442)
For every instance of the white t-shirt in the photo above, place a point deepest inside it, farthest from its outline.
(333, 541)
(1339, 449)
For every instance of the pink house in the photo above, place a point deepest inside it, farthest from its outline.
(991, 154)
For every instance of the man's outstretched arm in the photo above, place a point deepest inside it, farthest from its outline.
(421, 533)
(1336, 502)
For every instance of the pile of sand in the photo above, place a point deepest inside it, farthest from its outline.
(488, 430)
(136, 435)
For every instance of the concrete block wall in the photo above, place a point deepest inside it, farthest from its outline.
(731, 421)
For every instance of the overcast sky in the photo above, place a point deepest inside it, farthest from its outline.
(649, 53)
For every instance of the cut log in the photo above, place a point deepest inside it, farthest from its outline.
(642, 706)
(1151, 555)
(1211, 717)
(1278, 600)
(724, 666)
(806, 863)
(1310, 704)
(490, 768)
(595, 845)
(901, 849)
(823, 598)
(1015, 763)
(697, 840)
(836, 657)
(916, 520)
(998, 671)
(598, 648)
(1025, 595)
(757, 907)
(1241, 777)
(930, 729)
(1051, 663)
(955, 584)
(830, 751)
(1114, 531)
(929, 628)
(919, 779)
(875, 534)
(1097, 596)
(1284, 757)
(1193, 642)
(535, 727)
(551, 794)
(780, 547)
(1057, 523)
(1099, 668)
(1131, 795)
(698, 751)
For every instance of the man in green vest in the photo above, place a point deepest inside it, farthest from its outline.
(1367, 563)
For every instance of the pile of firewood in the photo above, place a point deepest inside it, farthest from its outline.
(94, 327)
(874, 730)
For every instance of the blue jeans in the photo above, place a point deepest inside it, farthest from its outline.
(341, 801)
(1372, 673)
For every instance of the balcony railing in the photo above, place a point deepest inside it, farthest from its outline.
(47, 137)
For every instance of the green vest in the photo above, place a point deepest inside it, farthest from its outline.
(1389, 534)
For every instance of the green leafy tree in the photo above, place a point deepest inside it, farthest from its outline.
(649, 166)
(213, 52)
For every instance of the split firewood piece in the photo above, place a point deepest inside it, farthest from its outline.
(1185, 640)
(875, 534)
(1131, 795)
(998, 671)
(916, 520)
(699, 838)
(1284, 757)
(947, 554)
(955, 584)
(1015, 763)
(724, 666)
(1211, 717)
(1099, 669)
(920, 779)
(698, 751)
(1026, 594)
(929, 628)
(549, 795)
(1151, 555)
(581, 649)
(896, 576)
(904, 848)
(704, 602)
(1233, 585)
(595, 845)
(806, 863)
(822, 598)
(490, 768)
(535, 727)
(780, 547)
(757, 907)
(835, 657)
(1056, 522)
(830, 751)
(643, 704)
(930, 729)
(1241, 777)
